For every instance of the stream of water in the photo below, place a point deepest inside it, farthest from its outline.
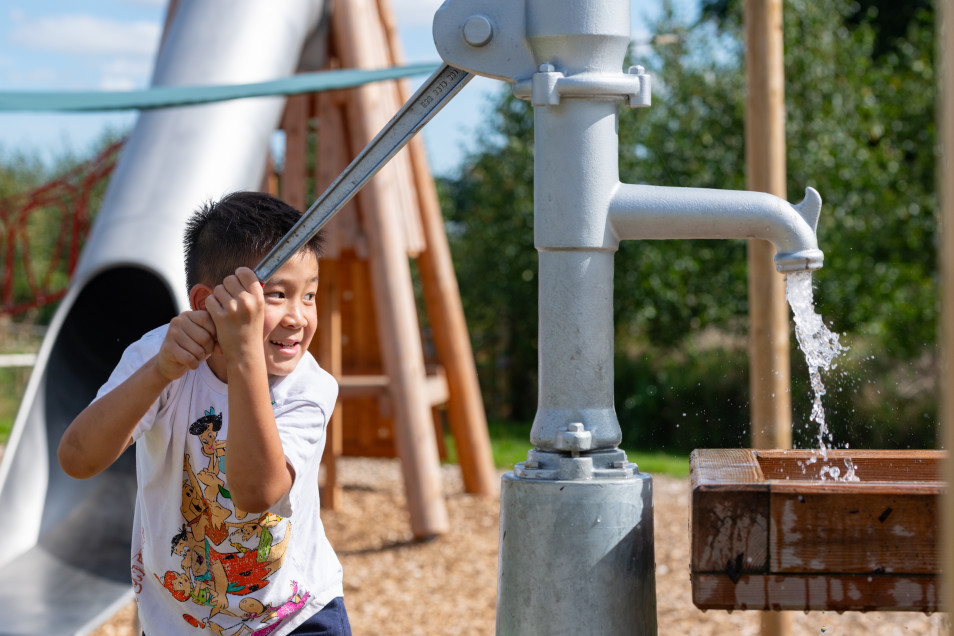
(820, 346)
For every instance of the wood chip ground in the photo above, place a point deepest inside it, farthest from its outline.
(447, 586)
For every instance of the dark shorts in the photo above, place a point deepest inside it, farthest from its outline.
(332, 620)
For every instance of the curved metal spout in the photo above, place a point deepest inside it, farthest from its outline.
(657, 212)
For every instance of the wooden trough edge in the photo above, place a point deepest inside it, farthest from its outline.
(807, 592)
(768, 532)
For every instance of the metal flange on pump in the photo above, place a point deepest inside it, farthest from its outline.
(576, 549)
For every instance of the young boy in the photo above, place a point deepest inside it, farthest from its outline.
(228, 411)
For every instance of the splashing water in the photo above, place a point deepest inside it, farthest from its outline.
(820, 347)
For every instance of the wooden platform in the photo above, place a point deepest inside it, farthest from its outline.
(769, 533)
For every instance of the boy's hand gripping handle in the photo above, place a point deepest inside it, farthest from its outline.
(424, 104)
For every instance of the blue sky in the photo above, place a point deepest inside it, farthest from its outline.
(111, 44)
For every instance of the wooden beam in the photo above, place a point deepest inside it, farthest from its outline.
(465, 408)
(329, 357)
(946, 254)
(354, 386)
(769, 365)
(360, 46)
(294, 181)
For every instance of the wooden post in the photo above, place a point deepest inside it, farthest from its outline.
(329, 357)
(946, 184)
(465, 407)
(768, 312)
(391, 280)
(294, 189)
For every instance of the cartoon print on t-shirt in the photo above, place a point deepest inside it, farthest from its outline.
(253, 608)
(207, 428)
(261, 528)
(204, 514)
(212, 565)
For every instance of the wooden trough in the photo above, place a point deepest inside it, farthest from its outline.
(768, 533)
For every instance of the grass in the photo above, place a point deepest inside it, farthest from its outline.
(12, 382)
(510, 441)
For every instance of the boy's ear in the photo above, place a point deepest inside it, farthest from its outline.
(197, 296)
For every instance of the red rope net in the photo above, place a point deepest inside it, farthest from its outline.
(37, 267)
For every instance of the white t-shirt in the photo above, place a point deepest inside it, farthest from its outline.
(197, 562)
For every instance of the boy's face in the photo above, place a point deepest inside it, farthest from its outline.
(291, 315)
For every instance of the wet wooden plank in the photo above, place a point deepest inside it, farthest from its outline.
(835, 592)
(730, 512)
(771, 529)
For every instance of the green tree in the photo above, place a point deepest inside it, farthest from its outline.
(490, 213)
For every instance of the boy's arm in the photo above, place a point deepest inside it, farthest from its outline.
(104, 429)
(257, 472)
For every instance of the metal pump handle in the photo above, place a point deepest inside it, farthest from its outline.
(433, 94)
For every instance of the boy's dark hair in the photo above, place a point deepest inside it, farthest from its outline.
(237, 231)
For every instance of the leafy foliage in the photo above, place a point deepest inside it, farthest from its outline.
(864, 132)
(490, 219)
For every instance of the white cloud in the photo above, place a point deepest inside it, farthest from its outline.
(86, 34)
(410, 13)
(125, 74)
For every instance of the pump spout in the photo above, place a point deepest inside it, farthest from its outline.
(658, 212)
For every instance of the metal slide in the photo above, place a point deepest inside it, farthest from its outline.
(65, 562)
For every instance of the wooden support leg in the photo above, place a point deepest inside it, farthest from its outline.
(404, 365)
(360, 47)
(465, 407)
(329, 357)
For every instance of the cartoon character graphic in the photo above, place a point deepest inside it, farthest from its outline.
(247, 571)
(261, 528)
(254, 609)
(206, 428)
(211, 592)
(207, 575)
(205, 515)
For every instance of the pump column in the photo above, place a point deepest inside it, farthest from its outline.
(576, 544)
(576, 519)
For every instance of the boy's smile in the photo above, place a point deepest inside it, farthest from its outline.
(291, 315)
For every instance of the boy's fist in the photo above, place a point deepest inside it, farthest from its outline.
(237, 308)
(189, 341)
